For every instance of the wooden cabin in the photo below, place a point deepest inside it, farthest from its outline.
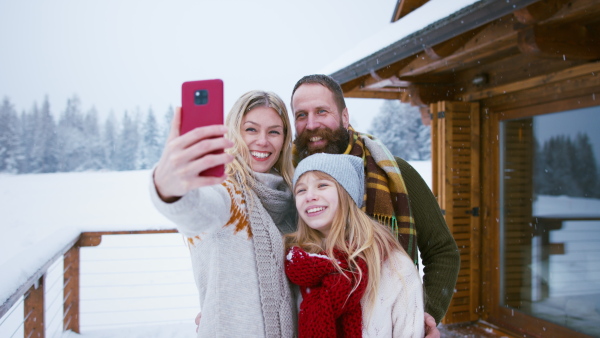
(504, 84)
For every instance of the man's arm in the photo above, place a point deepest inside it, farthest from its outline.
(439, 253)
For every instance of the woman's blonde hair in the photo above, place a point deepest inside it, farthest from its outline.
(241, 164)
(352, 232)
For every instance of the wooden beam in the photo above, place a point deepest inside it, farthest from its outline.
(367, 94)
(354, 84)
(533, 97)
(384, 84)
(425, 115)
(448, 47)
(89, 240)
(425, 94)
(33, 311)
(406, 6)
(579, 11)
(393, 69)
(539, 11)
(71, 290)
(589, 68)
(573, 41)
(405, 97)
(492, 40)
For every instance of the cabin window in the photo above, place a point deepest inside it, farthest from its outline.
(550, 218)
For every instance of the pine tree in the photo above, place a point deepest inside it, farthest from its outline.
(27, 131)
(10, 147)
(540, 181)
(5, 111)
(45, 146)
(423, 140)
(127, 144)
(71, 137)
(94, 151)
(150, 148)
(399, 127)
(585, 166)
(566, 167)
(109, 141)
(166, 125)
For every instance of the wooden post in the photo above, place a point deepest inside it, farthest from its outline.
(34, 310)
(71, 290)
(71, 280)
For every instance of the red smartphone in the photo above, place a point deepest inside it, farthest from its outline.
(202, 105)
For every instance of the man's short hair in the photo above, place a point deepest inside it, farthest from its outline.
(326, 81)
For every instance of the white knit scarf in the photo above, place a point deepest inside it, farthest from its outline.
(276, 299)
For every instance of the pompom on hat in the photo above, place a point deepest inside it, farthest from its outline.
(347, 170)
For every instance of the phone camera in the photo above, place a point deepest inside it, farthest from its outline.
(201, 97)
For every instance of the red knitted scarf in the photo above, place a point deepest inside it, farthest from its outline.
(327, 309)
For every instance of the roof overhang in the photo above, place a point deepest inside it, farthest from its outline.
(484, 50)
(455, 24)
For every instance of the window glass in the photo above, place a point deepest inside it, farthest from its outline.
(550, 218)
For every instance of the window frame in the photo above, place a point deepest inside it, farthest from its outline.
(493, 312)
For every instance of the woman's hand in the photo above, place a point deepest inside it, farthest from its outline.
(185, 156)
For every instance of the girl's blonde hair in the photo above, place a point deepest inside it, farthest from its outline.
(241, 164)
(352, 232)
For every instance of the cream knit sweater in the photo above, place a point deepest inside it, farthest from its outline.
(215, 223)
(398, 308)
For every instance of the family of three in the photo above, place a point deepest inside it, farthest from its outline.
(326, 249)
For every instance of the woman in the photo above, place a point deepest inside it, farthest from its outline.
(355, 279)
(234, 224)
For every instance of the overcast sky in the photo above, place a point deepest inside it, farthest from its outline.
(125, 55)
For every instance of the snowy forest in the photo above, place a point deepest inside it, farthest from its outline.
(398, 125)
(34, 142)
(566, 166)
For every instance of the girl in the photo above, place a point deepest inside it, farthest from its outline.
(355, 279)
(234, 229)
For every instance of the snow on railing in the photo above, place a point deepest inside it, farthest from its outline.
(139, 279)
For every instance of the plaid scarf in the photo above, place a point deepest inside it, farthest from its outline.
(386, 194)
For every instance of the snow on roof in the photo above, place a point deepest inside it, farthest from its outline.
(429, 13)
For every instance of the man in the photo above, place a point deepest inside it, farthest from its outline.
(396, 193)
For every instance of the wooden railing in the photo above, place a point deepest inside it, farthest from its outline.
(33, 289)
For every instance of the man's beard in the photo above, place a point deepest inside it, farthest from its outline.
(336, 141)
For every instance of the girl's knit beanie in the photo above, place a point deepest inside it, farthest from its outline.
(347, 170)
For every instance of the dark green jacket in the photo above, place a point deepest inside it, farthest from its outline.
(439, 253)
